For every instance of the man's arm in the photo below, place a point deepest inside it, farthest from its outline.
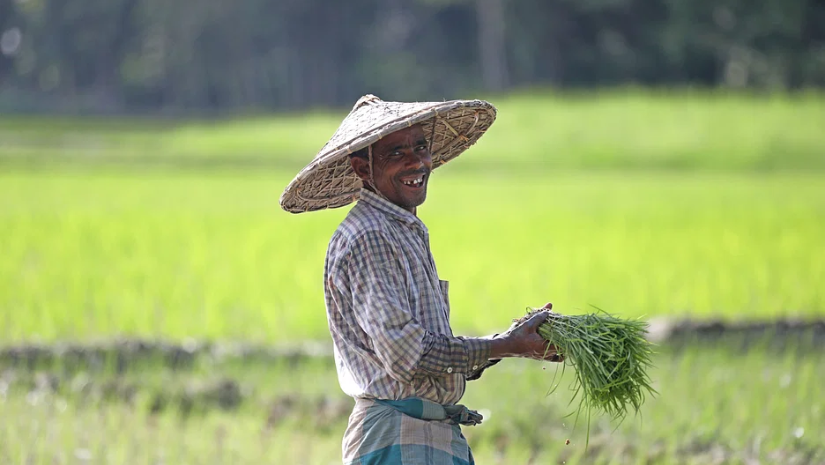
(477, 373)
(404, 347)
(445, 355)
(521, 340)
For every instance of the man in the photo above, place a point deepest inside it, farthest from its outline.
(388, 310)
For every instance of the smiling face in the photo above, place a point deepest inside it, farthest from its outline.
(401, 167)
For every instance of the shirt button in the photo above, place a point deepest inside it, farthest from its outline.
(475, 367)
(449, 369)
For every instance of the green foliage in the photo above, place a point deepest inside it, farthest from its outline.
(215, 55)
(611, 357)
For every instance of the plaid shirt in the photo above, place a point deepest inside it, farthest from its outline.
(389, 312)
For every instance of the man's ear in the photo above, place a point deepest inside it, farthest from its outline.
(361, 167)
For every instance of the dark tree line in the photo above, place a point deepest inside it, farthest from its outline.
(203, 55)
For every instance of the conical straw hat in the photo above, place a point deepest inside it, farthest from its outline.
(329, 181)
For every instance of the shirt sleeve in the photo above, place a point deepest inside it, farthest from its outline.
(446, 355)
(381, 305)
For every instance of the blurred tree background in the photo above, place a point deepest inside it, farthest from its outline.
(185, 56)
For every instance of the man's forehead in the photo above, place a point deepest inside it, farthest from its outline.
(411, 134)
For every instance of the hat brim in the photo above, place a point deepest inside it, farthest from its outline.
(329, 181)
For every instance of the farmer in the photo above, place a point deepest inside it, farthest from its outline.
(387, 309)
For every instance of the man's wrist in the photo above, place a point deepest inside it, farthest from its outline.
(501, 347)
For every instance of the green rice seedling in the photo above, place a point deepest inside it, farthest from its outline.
(611, 357)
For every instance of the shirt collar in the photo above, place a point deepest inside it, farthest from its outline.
(390, 209)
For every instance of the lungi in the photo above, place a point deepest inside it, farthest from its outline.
(410, 431)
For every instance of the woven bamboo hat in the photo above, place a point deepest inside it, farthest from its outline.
(329, 181)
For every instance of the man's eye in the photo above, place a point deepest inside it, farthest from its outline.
(397, 153)
(420, 148)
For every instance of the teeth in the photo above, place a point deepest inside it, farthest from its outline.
(414, 182)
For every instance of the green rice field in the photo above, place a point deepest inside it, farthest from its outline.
(690, 205)
(717, 405)
(211, 255)
(533, 132)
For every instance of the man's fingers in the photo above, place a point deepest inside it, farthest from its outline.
(548, 306)
(549, 352)
(552, 354)
(537, 319)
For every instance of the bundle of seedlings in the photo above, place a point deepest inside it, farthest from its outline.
(610, 356)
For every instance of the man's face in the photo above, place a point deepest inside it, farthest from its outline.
(401, 167)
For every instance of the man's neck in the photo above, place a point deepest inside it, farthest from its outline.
(413, 210)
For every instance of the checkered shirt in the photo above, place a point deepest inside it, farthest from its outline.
(388, 311)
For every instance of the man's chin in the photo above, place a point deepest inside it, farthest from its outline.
(421, 197)
(414, 201)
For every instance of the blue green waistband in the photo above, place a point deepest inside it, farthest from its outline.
(424, 409)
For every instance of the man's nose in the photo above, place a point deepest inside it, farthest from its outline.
(418, 159)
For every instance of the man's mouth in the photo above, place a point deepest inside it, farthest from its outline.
(415, 182)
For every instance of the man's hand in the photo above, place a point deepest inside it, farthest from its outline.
(522, 340)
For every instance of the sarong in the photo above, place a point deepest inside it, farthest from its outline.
(407, 432)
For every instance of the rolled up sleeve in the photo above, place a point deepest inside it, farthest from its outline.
(446, 355)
